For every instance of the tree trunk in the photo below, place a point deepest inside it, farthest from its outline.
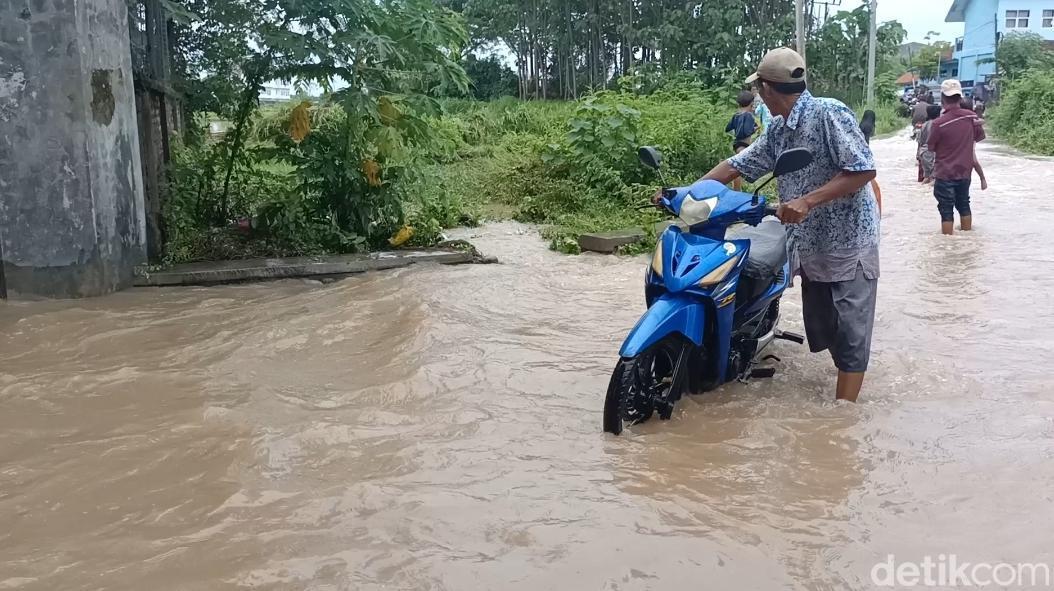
(569, 66)
(627, 37)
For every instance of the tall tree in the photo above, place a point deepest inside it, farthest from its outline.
(838, 54)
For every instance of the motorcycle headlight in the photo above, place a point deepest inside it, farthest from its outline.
(656, 260)
(697, 211)
(718, 275)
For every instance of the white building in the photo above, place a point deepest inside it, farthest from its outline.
(277, 91)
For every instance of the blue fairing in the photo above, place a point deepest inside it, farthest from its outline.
(668, 314)
(732, 206)
(687, 258)
(683, 298)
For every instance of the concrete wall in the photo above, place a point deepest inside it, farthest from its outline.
(1035, 17)
(71, 189)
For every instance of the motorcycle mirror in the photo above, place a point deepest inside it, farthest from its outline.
(792, 160)
(650, 157)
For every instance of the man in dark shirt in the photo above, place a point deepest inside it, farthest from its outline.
(952, 139)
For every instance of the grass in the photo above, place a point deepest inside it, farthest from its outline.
(495, 166)
(569, 167)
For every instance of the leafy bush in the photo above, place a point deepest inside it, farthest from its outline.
(890, 116)
(581, 174)
(195, 180)
(1014, 120)
(1019, 52)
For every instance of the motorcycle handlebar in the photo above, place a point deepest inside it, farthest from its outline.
(769, 210)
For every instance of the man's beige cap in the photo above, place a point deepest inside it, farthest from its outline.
(782, 64)
(951, 88)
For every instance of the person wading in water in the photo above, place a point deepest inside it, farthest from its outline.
(829, 208)
(953, 139)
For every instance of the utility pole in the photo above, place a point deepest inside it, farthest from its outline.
(872, 42)
(799, 26)
(3, 283)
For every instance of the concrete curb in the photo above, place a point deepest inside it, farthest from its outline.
(609, 242)
(211, 273)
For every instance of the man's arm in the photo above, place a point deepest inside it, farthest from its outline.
(844, 183)
(723, 173)
(849, 151)
(752, 163)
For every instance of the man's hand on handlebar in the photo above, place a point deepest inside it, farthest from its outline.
(794, 211)
(657, 196)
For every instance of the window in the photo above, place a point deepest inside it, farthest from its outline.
(1017, 19)
(1048, 19)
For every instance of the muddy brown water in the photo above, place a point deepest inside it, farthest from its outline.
(439, 427)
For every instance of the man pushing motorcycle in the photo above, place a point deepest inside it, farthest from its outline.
(829, 209)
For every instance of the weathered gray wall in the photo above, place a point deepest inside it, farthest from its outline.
(71, 189)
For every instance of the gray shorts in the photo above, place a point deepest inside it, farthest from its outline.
(839, 318)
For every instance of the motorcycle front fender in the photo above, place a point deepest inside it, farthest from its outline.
(668, 314)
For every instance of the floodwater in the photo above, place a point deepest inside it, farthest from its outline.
(439, 428)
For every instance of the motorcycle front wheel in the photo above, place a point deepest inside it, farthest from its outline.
(648, 383)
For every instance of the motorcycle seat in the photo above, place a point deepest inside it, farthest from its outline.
(768, 248)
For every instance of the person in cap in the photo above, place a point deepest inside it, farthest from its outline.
(829, 209)
(952, 140)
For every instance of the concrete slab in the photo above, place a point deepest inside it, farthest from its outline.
(213, 272)
(609, 242)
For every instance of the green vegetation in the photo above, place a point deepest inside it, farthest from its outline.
(924, 63)
(838, 57)
(1014, 119)
(889, 117)
(395, 152)
(1027, 66)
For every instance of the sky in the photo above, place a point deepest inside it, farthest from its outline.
(919, 17)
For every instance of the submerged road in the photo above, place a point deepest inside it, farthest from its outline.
(439, 428)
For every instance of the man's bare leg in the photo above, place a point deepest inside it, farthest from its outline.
(849, 385)
(947, 228)
(967, 223)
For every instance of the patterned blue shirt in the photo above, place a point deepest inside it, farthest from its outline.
(841, 235)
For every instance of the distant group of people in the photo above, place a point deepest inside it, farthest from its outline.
(947, 135)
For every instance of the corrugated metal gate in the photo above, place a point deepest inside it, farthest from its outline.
(158, 105)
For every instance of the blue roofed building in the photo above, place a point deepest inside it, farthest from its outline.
(985, 22)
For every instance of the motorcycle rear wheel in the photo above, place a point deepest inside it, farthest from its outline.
(648, 383)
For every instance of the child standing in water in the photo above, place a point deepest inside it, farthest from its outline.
(926, 157)
(743, 126)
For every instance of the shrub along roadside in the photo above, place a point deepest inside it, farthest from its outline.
(568, 166)
(1014, 120)
(888, 118)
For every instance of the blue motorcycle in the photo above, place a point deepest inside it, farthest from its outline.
(713, 291)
